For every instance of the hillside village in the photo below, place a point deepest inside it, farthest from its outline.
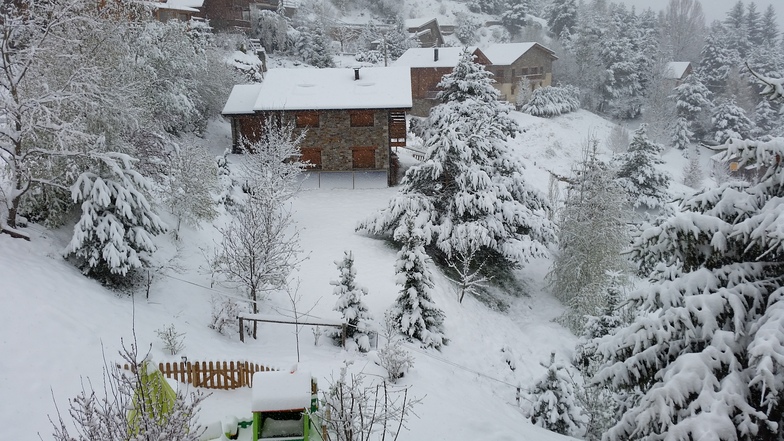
(360, 219)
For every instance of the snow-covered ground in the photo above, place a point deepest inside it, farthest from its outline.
(60, 328)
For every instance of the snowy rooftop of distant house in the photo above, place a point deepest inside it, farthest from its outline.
(417, 22)
(425, 57)
(275, 390)
(179, 5)
(675, 69)
(505, 54)
(242, 99)
(315, 89)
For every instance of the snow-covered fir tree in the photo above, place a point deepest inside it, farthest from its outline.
(313, 46)
(637, 172)
(703, 357)
(562, 16)
(730, 122)
(592, 234)
(692, 172)
(115, 232)
(765, 120)
(414, 314)
(469, 195)
(554, 401)
(717, 59)
(681, 135)
(355, 314)
(693, 103)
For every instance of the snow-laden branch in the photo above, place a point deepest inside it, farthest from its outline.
(774, 87)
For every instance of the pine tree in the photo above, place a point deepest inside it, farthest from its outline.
(638, 175)
(555, 405)
(692, 173)
(770, 27)
(693, 103)
(730, 122)
(350, 305)
(562, 16)
(717, 59)
(414, 313)
(681, 135)
(753, 25)
(591, 237)
(469, 196)
(115, 232)
(765, 119)
(703, 358)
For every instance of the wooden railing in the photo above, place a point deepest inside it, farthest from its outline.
(212, 375)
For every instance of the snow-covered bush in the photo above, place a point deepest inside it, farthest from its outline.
(369, 56)
(171, 339)
(393, 357)
(225, 311)
(555, 406)
(552, 101)
(188, 185)
(355, 313)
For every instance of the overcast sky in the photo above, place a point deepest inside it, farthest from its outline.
(714, 9)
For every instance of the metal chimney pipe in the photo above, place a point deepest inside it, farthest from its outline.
(435, 54)
(356, 73)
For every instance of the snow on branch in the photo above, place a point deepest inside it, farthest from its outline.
(774, 87)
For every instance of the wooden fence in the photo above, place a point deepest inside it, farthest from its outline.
(212, 375)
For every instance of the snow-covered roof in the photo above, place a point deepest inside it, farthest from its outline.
(242, 99)
(177, 5)
(505, 54)
(425, 57)
(674, 70)
(336, 88)
(276, 390)
(417, 22)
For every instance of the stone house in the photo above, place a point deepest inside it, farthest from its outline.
(426, 32)
(352, 119)
(236, 14)
(511, 62)
(428, 66)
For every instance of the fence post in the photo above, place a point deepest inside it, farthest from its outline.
(343, 335)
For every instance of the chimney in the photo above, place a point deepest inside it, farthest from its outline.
(435, 54)
(356, 73)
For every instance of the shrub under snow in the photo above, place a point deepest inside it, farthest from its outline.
(552, 101)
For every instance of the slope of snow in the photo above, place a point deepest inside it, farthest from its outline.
(59, 328)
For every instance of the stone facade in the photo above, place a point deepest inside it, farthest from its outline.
(334, 142)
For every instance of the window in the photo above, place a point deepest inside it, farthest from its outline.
(499, 73)
(361, 118)
(524, 71)
(363, 157)
(513, 74)
(307, 119)
(312, 156)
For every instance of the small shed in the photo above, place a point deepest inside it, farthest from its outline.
(677, 71)
(281, 404)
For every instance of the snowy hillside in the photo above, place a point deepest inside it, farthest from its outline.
(60, 327)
